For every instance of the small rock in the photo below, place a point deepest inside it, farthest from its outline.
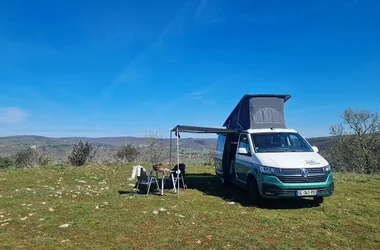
(162, 209)
(155, 212)
(231, 203)
(43, 203)
(199, 242)
(28, 189)
(51, 209)
(24, 218)
(42, 219)
(64, 225)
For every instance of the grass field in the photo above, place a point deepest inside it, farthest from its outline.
(95, 207)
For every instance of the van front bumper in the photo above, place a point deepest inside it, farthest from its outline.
(272, 187)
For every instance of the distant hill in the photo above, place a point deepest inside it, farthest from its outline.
(190, 143)
(11, 144)
(322, 143)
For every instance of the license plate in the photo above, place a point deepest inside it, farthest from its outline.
(306, 192)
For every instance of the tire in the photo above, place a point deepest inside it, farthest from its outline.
(318, 200)
(253, 192)
(224, 181)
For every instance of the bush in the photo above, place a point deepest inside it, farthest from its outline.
(81, 153)
(127, 153)
(26, 158)
(6, 162)
(358, 142)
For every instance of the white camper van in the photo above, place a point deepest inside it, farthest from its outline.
(260, 154)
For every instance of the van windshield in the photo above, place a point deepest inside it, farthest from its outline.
(279, 142)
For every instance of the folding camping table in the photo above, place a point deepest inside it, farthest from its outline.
(163, 172)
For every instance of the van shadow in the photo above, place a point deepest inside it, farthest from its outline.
(209, 184)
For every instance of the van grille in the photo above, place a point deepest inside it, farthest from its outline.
(297, 171)
(301, 179)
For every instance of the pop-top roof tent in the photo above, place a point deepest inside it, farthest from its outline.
(251, 112)
(258, 111)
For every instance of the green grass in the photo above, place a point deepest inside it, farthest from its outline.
(103, 212)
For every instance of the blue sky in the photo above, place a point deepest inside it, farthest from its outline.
(116, 68)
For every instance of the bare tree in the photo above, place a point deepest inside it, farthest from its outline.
(29, 158)
(211, 155)
(155, 151)
(358, 145)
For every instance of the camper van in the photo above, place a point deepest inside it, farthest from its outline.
(257, 152)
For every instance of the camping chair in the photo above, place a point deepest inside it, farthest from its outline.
(146, 180)
(181, 177)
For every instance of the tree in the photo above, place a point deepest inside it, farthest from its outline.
(29, 158)
(358, 142)
(81, 153)
(127, 153)
(211, 156)
(155, 150)
(26, 158)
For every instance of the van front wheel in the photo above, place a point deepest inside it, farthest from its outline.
(224, 181)
(318, 200)
(254, 194)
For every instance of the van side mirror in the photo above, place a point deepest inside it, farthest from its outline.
(243, 151)
(316, 150)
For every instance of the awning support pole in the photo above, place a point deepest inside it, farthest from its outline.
(170, 149)
(178, 171)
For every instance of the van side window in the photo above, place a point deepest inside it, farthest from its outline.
(220, 142)
(244, 143)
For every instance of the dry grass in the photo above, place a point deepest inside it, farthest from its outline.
(94, 207)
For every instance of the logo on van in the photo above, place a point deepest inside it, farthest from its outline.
(312, 162)
(304, 172)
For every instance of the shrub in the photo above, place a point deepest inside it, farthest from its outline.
(81, 153)
(6, 162)
(29, 158)
(127, 153)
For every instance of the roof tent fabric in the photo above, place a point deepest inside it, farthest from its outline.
(258, 111)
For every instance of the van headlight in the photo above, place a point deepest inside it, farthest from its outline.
(269, 170)
(327, 169)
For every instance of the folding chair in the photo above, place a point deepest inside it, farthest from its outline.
(181, 177)
(146, 181)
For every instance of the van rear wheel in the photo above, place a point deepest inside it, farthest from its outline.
(254, 194)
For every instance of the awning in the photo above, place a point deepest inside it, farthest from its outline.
(196, 129)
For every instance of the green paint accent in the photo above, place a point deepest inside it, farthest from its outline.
(270, 179)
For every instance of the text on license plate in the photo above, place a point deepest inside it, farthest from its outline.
(306, 192)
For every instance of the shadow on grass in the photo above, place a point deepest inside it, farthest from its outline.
(209, 184)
